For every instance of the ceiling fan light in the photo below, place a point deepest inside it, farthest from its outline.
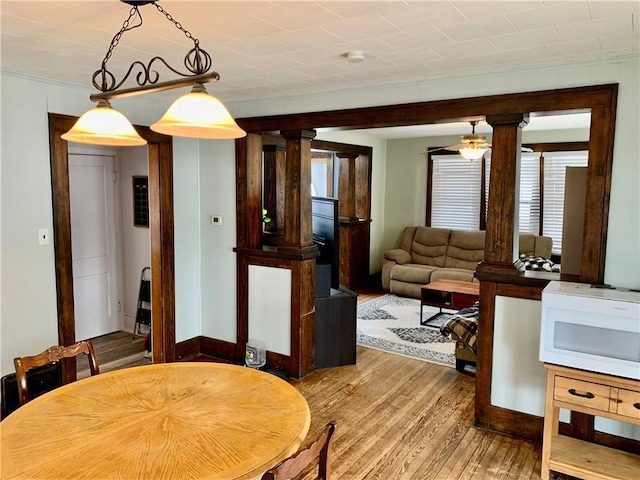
(198, 115)
(103, 125)
(472, 152)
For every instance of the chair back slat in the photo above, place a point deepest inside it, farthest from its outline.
(293, 466)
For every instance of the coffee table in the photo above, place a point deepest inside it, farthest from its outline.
(451, 294)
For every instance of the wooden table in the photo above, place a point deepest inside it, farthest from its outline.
(163, 421)
(595, 394)
(452, 294)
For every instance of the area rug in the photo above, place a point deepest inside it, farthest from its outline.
(392, 324)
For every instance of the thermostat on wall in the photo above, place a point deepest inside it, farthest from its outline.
(216, 219)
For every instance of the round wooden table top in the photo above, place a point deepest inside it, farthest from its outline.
(163, 421)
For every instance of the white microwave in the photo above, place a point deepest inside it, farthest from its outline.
(591, 328)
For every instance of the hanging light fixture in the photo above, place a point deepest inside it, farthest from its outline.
(196, 114)
(473, 152)
(474, 145)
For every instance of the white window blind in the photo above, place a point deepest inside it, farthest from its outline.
(555, 164)
(529, 213)
(455, 194)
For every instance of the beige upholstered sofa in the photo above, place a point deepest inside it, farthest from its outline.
(427, 254)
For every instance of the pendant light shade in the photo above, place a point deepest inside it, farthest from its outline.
(472, 152)
(198, 115)
(103, 125)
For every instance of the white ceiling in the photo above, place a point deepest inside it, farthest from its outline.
(265, 49)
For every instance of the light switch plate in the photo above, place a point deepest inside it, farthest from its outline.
(43, 236)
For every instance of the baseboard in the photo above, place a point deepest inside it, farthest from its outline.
(210, 347)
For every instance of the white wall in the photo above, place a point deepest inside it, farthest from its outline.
(28, 307)
(135, 247)
(218, 260)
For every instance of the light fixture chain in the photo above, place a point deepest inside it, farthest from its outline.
(177, 24)
(126, 26)
(197, 61)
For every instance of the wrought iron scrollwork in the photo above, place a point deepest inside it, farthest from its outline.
(197, 61)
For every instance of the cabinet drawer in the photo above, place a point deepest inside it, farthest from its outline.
(629, 403)
(587, 394)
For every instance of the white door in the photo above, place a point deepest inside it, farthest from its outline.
(93, 241)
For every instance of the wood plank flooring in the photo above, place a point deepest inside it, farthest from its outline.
(404, 419)
(114, 351)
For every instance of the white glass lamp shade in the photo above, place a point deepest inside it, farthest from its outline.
(472, 152)
(198, 115)
(103, 125)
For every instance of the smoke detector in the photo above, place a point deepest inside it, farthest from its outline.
(354, 56)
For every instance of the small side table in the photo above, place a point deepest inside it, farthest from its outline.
(595, 394)
(452, 294)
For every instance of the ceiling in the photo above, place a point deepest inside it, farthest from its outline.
(265, 49)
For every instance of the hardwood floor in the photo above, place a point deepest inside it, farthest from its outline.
(114, 351)
(406, 419)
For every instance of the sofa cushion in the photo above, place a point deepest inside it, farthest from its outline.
(404, 289)
(398, 255)
(535, 245)
(461, 274)
(412, 273)
(429, 246)
(465, 250)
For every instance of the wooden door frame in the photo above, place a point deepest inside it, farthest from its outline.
(160, 154)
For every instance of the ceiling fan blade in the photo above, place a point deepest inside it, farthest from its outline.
(433, 150)
(455, 148)
(526, 149)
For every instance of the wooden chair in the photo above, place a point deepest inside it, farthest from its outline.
(51, 355)
(293, 466)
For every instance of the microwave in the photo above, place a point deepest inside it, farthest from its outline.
(591, 328)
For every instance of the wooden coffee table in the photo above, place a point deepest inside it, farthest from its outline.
(451, 294)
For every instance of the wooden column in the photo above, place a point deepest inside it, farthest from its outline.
(298, 245)
(347, 185)
(273, 195)
(249, 191)
(297, 191)
(501, 245)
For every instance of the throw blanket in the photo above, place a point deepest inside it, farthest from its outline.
(463, 326)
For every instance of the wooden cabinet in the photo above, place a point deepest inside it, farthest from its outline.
(595, 394)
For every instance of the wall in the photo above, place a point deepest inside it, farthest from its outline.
(217, 177)
(135, 248)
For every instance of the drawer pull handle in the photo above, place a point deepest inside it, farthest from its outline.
(636, 405)
(588, 395)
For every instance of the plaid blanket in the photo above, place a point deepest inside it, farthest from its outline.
(463, 326)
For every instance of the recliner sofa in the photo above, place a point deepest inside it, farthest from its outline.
(427, 254)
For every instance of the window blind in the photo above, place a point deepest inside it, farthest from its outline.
(455, 193)
(529, 212)
(555, 164)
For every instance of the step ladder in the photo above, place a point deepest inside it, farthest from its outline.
(143, 311)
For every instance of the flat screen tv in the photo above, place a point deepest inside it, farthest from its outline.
(326, 230)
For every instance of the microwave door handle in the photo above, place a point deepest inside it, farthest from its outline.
(575, 393)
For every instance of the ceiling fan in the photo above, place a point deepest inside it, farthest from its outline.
(473, 146)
